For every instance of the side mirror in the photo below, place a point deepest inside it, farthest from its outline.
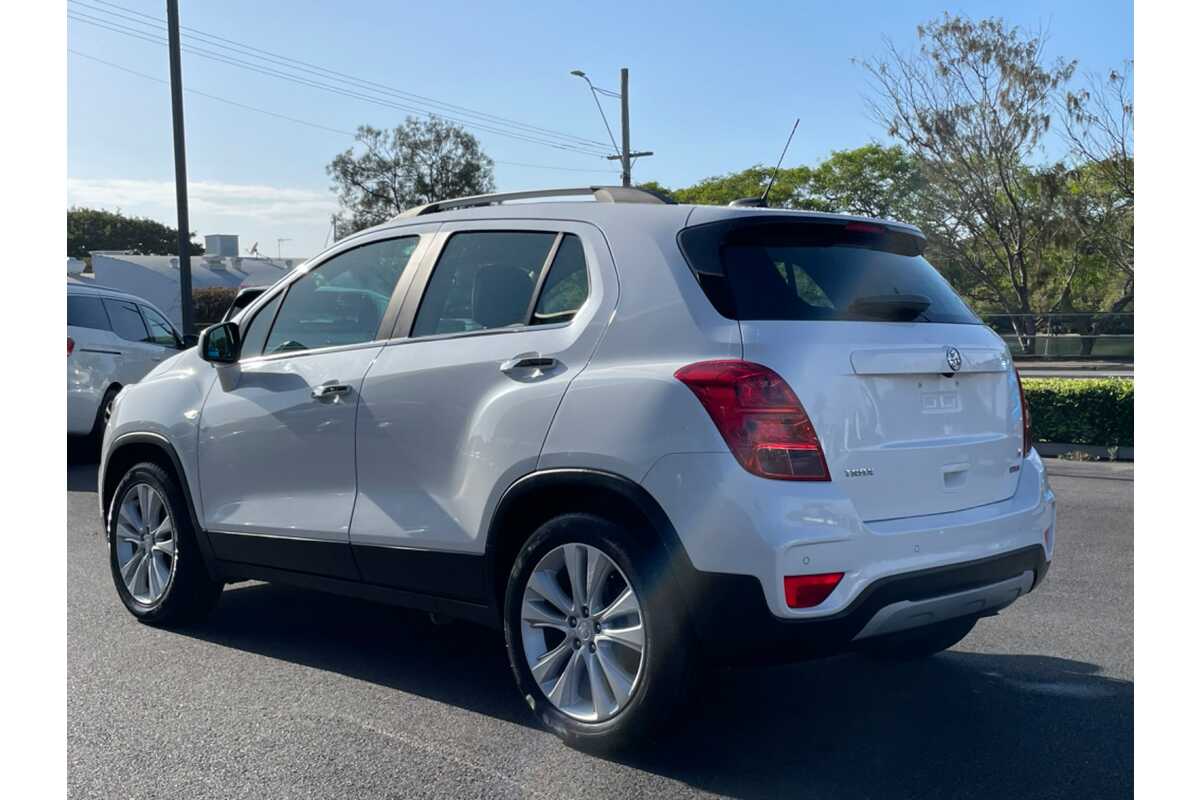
(221, 344)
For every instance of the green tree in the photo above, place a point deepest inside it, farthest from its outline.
(91, 229)
(871, 180)
(972, 106)
(1098, 126)
(415, 163)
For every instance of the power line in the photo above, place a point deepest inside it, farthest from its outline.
(117, 28)
(295, 120)
(315, 69)
(488, 122)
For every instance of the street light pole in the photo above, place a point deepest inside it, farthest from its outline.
(181, 198)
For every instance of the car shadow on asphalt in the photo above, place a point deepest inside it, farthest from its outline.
(960, 724)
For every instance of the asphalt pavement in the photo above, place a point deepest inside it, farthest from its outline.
(285, 693)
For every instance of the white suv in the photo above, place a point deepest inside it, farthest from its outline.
(637, 436)
(113, 339)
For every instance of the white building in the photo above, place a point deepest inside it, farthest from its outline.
(156, 278)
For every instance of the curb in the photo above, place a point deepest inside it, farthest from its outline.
(1056, 449)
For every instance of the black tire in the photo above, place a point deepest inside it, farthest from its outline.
(191, 594)
(920, 642)
(662, 684)
(96, 437)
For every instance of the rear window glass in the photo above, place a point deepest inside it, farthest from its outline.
(86, 312)
(819, 271)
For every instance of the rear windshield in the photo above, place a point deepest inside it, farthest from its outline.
(770, 270)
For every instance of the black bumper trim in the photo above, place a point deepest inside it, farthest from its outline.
(736, 606)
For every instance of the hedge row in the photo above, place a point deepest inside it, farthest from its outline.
(1097, 411)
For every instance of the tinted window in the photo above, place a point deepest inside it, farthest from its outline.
(254, 334)
(86, 312)
(126, 320)
(161, 331)
(483, 280)
(566, 286)
(343, 300)
(819, 271)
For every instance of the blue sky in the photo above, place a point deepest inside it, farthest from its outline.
(714, 88)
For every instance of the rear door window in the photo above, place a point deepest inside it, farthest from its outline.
(126, 320)
(85, 311)
(483, 280)
(819, 271)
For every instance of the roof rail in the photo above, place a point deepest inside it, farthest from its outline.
(602, 194)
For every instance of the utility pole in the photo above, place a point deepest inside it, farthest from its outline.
(624, 156)
(181, 198)
(625, 126)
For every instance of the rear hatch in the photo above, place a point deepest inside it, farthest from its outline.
(914, 400)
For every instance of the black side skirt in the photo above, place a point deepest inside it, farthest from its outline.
(446, 583)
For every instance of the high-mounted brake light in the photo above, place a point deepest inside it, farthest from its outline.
(1026, 420)
(806, 591)
(70, 345)
(864, 227)
(760, 418)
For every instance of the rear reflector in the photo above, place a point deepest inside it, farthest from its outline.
(806, 591)
(70, 345)
(760, 418)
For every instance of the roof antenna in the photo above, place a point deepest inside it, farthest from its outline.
(761, 202)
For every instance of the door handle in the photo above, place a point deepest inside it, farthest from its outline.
(534, 362)
(331, 389)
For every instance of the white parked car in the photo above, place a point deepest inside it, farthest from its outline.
(632, 434)
(113, 340)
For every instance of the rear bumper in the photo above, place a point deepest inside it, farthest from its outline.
(735, 606)
(743, 534)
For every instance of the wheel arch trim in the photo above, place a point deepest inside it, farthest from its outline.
(106, 484)
(502, 545)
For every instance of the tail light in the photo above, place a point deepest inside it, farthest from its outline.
(1026, 421)
(70, 345)
(760, 418)
(806, 591)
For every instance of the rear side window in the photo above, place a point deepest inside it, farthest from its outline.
(86, 312)
(126, 320)
(566, 284)
(483, 280)
(755, 270)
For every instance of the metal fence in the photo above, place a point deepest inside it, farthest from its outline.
(1097, 335)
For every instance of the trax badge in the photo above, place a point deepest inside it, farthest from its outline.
(860, 472)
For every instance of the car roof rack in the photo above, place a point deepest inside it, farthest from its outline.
(602, 194)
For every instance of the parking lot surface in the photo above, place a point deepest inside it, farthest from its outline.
(284, 693)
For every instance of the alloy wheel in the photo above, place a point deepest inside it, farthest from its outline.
(582, 631)
(145, 543)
